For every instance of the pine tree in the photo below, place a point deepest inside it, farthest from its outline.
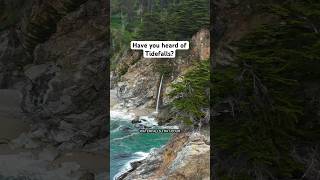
(152, 28)
(188, 17)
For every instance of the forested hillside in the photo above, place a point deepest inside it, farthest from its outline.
(155, 20)
(266, 93)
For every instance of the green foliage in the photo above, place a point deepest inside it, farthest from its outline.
(154, 20)
(151, 28)
(120, 39)
(178, 21)
(191, 93)
(187, 17)
(161, 20)
(164, 67)
(265, 93)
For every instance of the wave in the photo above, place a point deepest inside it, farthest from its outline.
(170, 127)
(141, 154)
(117, 129)
(138, 156)
(148, 121)
(124, 137)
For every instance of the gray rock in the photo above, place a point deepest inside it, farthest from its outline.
(102, 176)
(39, 133)
(48, 154)
(24, 141)
(67, 146)
(66, 126)
(186, 156)
(87, 176)
(136, 120)
(34, 72)
(61, 135)
(65, 86)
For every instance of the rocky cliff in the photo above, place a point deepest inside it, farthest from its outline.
(55, 54)
(137, 81)
(56, 57)
(185, 157)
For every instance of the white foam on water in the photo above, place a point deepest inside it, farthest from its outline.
(124, 137)
(127, 167)
(170, 127)
(148, 121)
(141, 154)
(121, 115)
(116, 129)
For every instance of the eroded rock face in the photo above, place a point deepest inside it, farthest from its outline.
(68, 83)
(56, 56)
(138, 78)
(186, 156)
(138, 85)
(44, 18)
(12, 59)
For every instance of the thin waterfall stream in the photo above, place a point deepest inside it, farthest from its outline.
(159, 93)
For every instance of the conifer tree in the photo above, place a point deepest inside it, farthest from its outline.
(191, 94)
(266, 92)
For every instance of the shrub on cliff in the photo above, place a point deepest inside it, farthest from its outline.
(191, 94)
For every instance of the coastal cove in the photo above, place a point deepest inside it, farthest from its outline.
(148, 138)
(128, 145)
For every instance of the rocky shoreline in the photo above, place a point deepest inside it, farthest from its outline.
(134, 165)
(186, 156)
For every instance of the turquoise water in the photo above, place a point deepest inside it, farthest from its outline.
(127, 144)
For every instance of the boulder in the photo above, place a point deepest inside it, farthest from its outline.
(136, 120)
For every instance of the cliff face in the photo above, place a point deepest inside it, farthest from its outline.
(43, 20)
(186, 156)
(56, 57)
(137, 79)
(53, 54)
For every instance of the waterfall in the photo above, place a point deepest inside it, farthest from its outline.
(159, 93)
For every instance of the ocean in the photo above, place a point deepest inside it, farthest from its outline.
(128, 145)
